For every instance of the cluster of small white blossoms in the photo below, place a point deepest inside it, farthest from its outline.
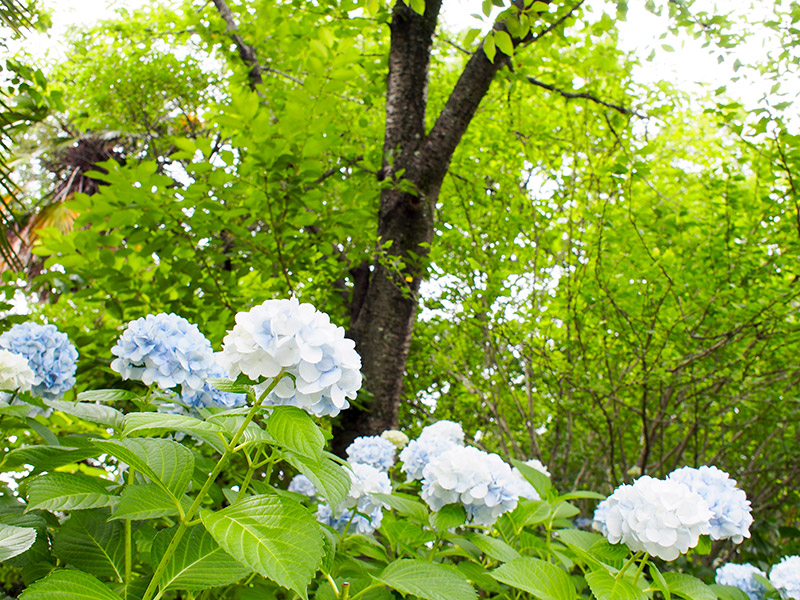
(481, 482)
(741, 576)
(15, 373)
(300, 484)
(433, 441)
(372, 450)
(286, 335)
(667, 517)
(360, 511)
(785, 576)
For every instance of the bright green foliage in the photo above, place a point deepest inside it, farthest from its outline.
(15, 540)
(427, 580)
(65, 491)
(68, 585)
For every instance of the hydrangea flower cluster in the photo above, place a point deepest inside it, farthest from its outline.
(741, 576)
(372, 450)
(300, 484)
(398, 438)
(284, 334)
(729, 505)
(785, 576)
(164, 349)
(663, 518)
(207, 395)
(482, 482)
(15, 373)
(360, 510)
(50, 355)
(434, 440)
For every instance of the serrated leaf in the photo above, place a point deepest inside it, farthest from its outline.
(67, 584)
(494, 547)
(540, 578)
(448, 517)
(686, 586)
(328, 476)
(88, 541)
(272, 535)
(252, 433)
(67, 491)
(427, 580)
(531, 512)
(728, 592)
(209, 432)
(106, 396)
(405, 506)
(296, 431)
(145, 501)
(659, 581)
(605, 587)
(580, 539)
(46, 458)
(16, 410)
(15, 540)
(94, 413)
(164, 462)
(226, 385)
(540, 482)
(199, 562)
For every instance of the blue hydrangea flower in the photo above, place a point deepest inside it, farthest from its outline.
(207, 395)
(284, 334)
(785, 576)
(729, 505)
(372, 450)
(360, 511)
(164, 349)
(421, 451)
(50, 355)
(300, 484)
(349, 520)
(741, 576)
(481, 482)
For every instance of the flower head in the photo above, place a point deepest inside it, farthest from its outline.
(419, 453)
(785, 576)
(50, 355)
(444, 430)
(664, 518)
(398, 438)
(164, 349)
(207, 395)
(284, 334)
(15, 372)
(729, 505)
(481, 482)
(741, 576)
(372, 450)
(300, 484)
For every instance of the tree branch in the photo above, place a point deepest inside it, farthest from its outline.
(246, 52)
(584, 96)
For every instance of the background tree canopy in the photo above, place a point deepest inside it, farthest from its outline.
(608, 270)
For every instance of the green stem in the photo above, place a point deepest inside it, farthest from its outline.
(641, 568)
(364, 591)
(333, 584)
(251, 468)
(129, 537)
(627, 564)
(198, 501)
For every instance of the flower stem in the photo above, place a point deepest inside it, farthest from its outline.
(198, 501)
(627, 564)
(641, 567)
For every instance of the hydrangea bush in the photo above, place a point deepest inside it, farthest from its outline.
(218, 485)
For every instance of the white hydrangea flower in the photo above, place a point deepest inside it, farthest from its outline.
(444, 430)
(741, 576)
(284, 334)
(419, 453)
(300, 484)
(538, 465)
(15, 372)
(601, 514)
(663, 518)
(372, 450)
(482, 482)
(730, 507)
(522, 487)
(785, 576)
(397, 437)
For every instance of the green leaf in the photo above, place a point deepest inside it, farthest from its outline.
(605, 587)
(88, 541)
(659, 581)
(418, 6)
(67, 491)
(489, 47)
(15, 540)
(272, 535)
(107, 396)
(198, 563)
(536, 478)
(405, 506)
(226, 385)
(582, 494)
(427, 580)
(503, 41)
(94, 413)
(294, 429)
(448, 517)
(328, 476)
(542, 579)
(688, 587)
(164, 462)
(727, 592)
(46, 458)
(580, 539)
(68, 585)
(494, 547)
(145, 501)
(148, 422)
